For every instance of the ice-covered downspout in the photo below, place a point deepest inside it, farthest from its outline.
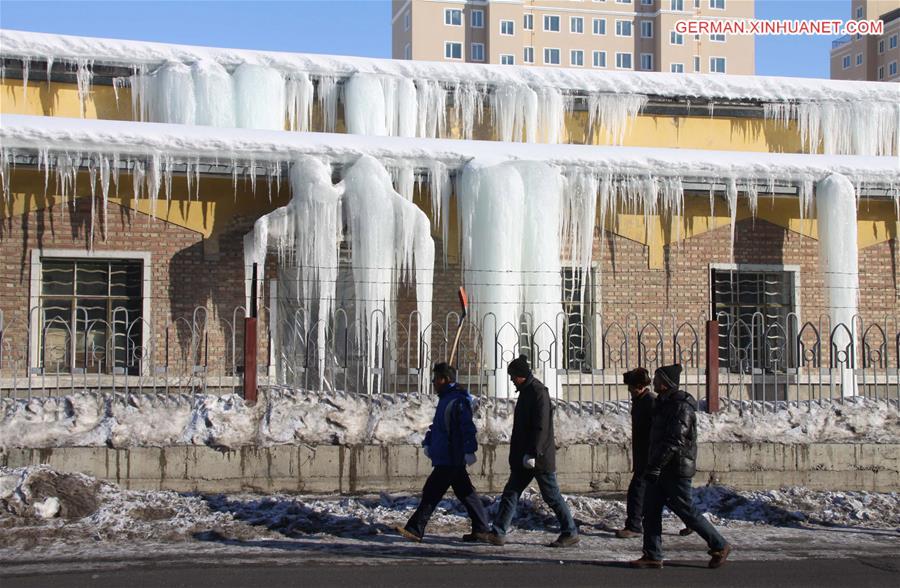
(509, 216)
(838, 262)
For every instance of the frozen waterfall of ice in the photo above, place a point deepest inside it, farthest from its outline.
(839, 264)
(260, 96)
(172, 98)
(214, 95)
(857, 127)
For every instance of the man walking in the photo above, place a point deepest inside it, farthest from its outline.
(671, 465)
(642, 400)
(532, 456)
(451, 445)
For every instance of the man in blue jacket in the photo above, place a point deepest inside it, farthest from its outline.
(451, 445)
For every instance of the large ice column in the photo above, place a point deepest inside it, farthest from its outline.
(299, 97)
(838, 262)
(260, 97)
(515, 111)
(364, 105)
(171, 96)
(390, 239)
(214, 94)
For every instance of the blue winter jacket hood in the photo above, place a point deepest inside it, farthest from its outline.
(452, 432)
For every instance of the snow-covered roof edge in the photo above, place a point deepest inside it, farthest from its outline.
(40, 46)
(37, 133)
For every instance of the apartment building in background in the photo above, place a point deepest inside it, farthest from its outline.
(593, 34)
(869, 57)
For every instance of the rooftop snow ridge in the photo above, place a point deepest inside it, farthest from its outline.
(140, 54)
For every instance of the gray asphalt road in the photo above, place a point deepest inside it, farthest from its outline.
(818, 573)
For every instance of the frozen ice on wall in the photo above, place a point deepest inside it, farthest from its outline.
(299, 95)
(611, 114)
(172, 98)
(365, 111)
(859, 127)
(214, 95)
(260, 97)
(514, 111)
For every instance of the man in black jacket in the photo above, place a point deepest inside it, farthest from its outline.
(532, 456)
(642, 399)
(671, 464)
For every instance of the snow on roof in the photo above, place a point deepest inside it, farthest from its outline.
(24, 132)
(41, 46)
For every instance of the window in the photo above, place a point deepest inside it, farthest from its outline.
(406, 21)
(859, 59)
(599, 58)
(576, 57)
(578, 312)
(551, 56)
(647, 2)
(528, 55)
(717, 65)
(576, 25)
(696, 64)
(453, 17)
(892, 68)
(717, 38)
(676, 4)
(647, 61)
(407, 52)
(599, 26)
(507, 59)
(528, 22)
(676, 68)
(881, 46)
(846, 62)
(745, 343)
(696, 3)
(476, 19)
(623, 1)
(623, 61)
(507, 27)
(551, 23)
(476, 52)
(881, 73)
(717, 4)
(647, 29)
(676, 38)
(90, 315)
(859, 11)
(892, 42)
(452, 50)
(623, 28)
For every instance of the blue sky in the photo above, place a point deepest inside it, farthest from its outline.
(344, 27)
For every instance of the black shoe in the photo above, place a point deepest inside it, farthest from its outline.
(627, 533)
(565, 540)
(476, 537)
(408, 534)
(685, 532)
(495, 539)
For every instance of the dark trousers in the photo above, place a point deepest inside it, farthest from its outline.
(634, 506)
(519, 478)
(675, 493)
(442, 478)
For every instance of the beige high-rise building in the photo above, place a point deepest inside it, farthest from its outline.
(869, 57)
(594, 34)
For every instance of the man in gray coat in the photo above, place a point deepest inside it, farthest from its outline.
(532, 456)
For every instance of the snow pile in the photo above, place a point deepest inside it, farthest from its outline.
(45, 493)
(287, 416)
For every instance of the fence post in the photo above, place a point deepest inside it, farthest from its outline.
(712, 366)
(250, 346)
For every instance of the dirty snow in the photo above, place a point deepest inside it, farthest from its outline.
(285, 416)
(98, 521)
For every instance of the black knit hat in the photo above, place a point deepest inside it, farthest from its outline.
(519, 367)
(638, 378)
(670, 375)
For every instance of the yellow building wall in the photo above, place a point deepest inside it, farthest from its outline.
(685, 132)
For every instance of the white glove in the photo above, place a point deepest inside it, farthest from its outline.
(471, 458)
(528, 461)
(427, 451)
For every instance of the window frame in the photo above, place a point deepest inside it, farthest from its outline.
(712, 4)
(594, 54)
(572, 53)
(549, 18)
(461, 52)
(528, 21)
(649, 24)
(525, 51)
(846, 61)
(650, 68)
(480, 13)
(558, 56)
(717, 38)
(572, 21)
(675, 35)
(623, 22)
(630, 58)
(724, 64)
(673, 70)
(36, 283)
(510, 56)
(472, 47)
(447, 19)
(507, 22)
(594, 27)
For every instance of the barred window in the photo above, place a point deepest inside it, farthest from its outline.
(752, 308)
(90, 313)
(578, 314)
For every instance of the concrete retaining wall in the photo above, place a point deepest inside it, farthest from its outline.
(370, 468)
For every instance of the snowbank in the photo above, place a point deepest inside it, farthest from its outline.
(296, 416)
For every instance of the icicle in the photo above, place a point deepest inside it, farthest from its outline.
(467, 107)
(329, 92)
(138, 83)
(6, 155)
(260, 97)
(49, 67)
(578, 222)
(83, 77)
(431, 97)
(44, 159)
(299, 100)
(214, 96)
(92, 176)
(439, 184)
(154, 181)
(731, 195)
(365, 111)
(805, 197)
(404, 179)
(551, 115)
(515, 112)
(26, 64)
(613, 113)
(861, 128)
(104, 190)
(171, 97)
